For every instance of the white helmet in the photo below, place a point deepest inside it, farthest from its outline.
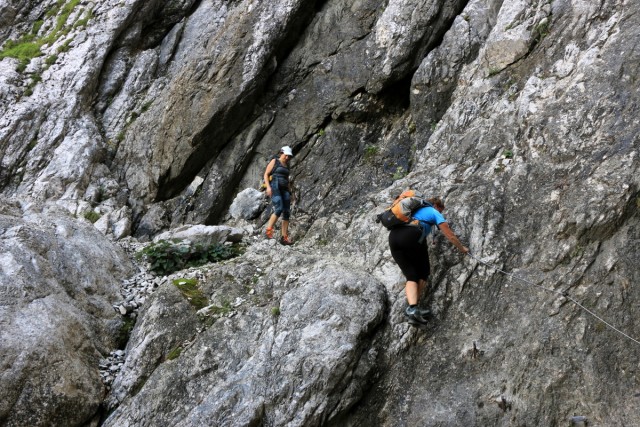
(286, 150)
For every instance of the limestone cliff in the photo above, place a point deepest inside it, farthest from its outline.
(149, 115)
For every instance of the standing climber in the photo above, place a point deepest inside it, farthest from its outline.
(276, 180)
(409, 249)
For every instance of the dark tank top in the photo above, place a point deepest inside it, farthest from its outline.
(281, 173)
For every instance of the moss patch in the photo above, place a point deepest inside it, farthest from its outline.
(174, 353)
(190, 290)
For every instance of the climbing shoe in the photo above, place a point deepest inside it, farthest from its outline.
(424, 312)
(284, 240)
(269, 233)
(414, 315)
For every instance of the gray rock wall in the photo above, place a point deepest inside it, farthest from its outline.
(155, 115)
(59, 279)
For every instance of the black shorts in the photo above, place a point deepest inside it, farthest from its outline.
(412, 257)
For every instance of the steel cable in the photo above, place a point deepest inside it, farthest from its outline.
(562, 294)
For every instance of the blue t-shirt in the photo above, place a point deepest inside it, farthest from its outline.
(428, 215)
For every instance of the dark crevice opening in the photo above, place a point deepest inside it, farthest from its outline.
(397, 96)
(208, 144)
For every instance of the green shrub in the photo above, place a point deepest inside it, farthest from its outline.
(92, 216)
(275, 311)
(166, 257)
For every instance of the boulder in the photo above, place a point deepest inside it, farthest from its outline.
(59, 280)
(202, 234)
(248, 204)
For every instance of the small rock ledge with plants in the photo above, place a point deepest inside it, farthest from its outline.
(165, 263)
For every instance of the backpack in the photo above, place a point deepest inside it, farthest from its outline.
(401, 210)
(399, 213)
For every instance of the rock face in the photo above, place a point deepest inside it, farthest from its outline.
(150, 116)
(300, 354)
(57, 316)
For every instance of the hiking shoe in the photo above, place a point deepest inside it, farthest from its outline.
(414, 315)
(424, 312)
(417, 324)
(269, 233)
(285, 240)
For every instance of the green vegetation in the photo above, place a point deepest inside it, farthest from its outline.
(36, 27)
(30, 45)
(125, 331)
(541, 30)
(60, 27)
(399, 173)
(32, 144)
(370, 153)
(92, 216)
(174, 353)
(508, 154)
(65, 46)
(146, 106)
(578, 251)
(23, 51)
(81, 23)
(220, 310)
(166, 257)
(411, 127)
(275, 311)
(190, 290)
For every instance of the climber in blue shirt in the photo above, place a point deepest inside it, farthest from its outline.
(409, 250)
(429, 215)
